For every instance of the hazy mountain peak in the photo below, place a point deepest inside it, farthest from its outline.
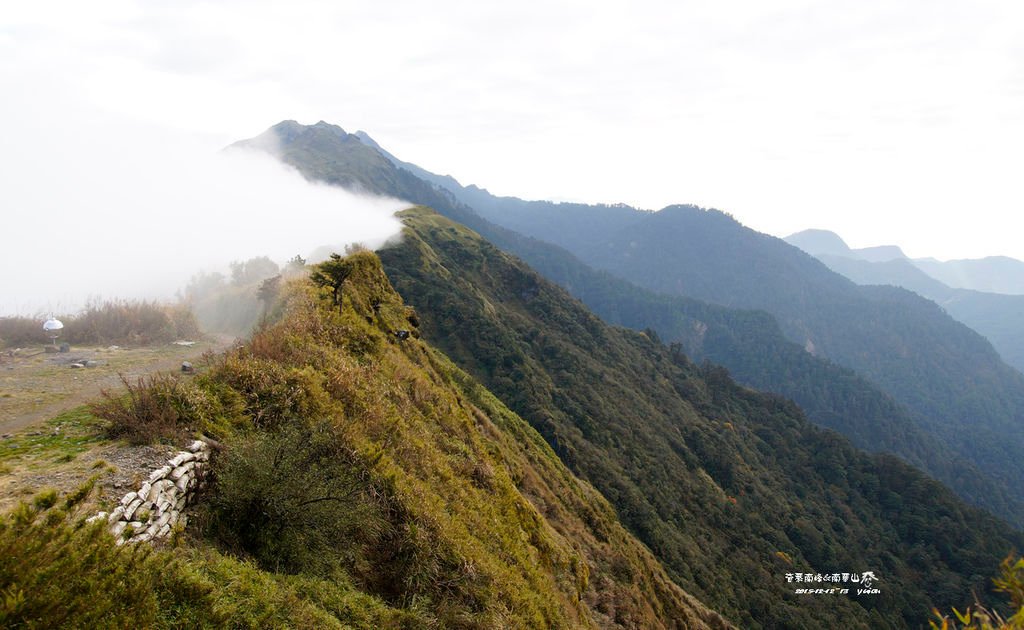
(816, 242)
(367, 140)
(880, 253)
(323, 124)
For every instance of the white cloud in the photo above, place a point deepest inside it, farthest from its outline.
(888, 121)
(98, 205)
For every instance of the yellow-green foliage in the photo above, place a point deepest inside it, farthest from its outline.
(1011, 582)
(166, 407)
(56, 571)
(468, 516)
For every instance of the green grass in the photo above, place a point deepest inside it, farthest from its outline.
(61, 438)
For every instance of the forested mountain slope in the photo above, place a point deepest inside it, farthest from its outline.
(949, 376)
(730, 488)
(997, 316)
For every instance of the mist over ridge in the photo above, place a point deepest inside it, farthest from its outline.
(98, 206)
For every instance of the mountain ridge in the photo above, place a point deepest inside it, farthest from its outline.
(732, 340)
(566, 372)
(999, 317)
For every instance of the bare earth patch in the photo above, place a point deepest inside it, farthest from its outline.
(35, 386)
(48, 439)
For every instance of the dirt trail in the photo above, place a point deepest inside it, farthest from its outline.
(40, 386)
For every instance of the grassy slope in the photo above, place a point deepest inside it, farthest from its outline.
(479, 524)
(730, 488)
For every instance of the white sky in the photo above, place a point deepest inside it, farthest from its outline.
(886, 121)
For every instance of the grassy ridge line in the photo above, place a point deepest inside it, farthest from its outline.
(464, 517)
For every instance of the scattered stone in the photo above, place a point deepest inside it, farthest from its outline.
(159, 473)
(186, 367)
(158, 504)
(181, 458)
(132, 508)
(181, 470)
(182, 484)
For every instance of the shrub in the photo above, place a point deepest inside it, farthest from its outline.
(21, 331)
(271, 392)
(131, 322)
(163, 407)
(121, 322)
(57, 571)
(295, 499)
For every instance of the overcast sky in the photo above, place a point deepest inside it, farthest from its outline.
(886, 121)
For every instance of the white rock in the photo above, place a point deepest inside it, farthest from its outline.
(136, 526)
(202, 456)
(198, 445)
(159, 474)
(128, 498)
(132, 507)
(164, 519)
(152, 530)
(142, 538)
(182, 484)
(117, 528)
(166, 529)
(181, 458)
(116, 514)
(144, 489)
(179, 505)
(181, 470)
(98, 516)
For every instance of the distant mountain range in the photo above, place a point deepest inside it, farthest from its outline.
(997, 316)
(993, 274)
(730, 488)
